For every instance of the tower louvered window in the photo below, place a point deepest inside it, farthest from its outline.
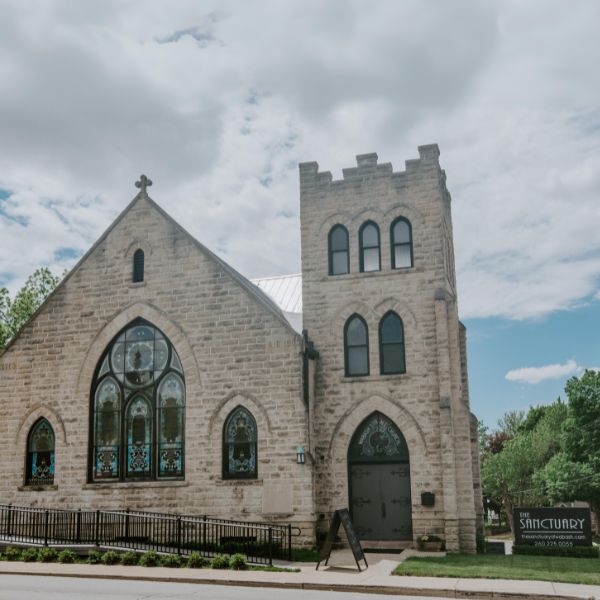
(138, 266)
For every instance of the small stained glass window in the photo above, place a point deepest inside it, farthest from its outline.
(40, 454)
(239, 445)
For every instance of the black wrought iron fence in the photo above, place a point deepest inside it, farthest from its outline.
(261, 543)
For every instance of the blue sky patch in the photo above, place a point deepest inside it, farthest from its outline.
(66, 253)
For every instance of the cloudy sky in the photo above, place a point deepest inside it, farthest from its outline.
(218, 101)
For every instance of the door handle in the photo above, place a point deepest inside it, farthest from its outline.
(383, 509)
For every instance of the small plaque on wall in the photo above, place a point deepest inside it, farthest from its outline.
(427, 498)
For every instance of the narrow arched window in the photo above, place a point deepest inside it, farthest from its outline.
(339, 258)
(139, 437)
(402, 247)
(391, 344)
(239, 445)
(40, 454)
(356, 346)
(171, 403)
(370, 254)
(138, 266)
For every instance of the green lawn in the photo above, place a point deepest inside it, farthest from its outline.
(544, 568)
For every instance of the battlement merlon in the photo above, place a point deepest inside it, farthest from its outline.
(366, 167)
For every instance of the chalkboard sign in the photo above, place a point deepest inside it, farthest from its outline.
(553, 526)
(342, 517)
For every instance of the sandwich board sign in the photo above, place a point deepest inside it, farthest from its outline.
(342, 517)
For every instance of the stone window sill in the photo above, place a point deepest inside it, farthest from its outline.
(358, 275)
(378, 377)
(37, 488)
(230, 482)
(137, 284)
(102, 485)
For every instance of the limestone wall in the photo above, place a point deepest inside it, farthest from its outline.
(429, 403)
(234, 351)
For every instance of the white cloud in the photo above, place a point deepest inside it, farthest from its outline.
(218, 101)
(538, 374)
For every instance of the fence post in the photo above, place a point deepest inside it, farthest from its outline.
(270, 546)
(178, 534)
(127, 524)
(78, 527)
(204, 533)
(97, 532)
(9, 520)
(46, 521)
(289, 528)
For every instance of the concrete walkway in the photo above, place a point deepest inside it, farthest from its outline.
(341, 576)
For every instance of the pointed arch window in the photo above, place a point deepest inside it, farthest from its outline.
(402, 245)
(138, 266)
(137, 415)
(356, 346)
(391, 345)
(339, 256)
(40, 454)
(239, 445)
(370, 252)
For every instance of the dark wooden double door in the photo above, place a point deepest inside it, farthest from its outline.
(380, 501)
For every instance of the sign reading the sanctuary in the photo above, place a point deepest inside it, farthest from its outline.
(553, 526)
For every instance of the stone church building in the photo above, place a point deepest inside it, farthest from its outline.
(156, 377)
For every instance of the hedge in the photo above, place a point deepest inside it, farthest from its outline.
(572, 551)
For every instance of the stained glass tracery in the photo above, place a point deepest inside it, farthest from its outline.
(378, 439)
(138, 407)
(40, 454)
(239, 445)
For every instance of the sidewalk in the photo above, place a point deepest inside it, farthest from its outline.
(339, 576)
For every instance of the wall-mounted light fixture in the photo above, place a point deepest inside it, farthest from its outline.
(300, 455)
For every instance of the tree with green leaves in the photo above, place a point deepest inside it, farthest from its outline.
(14, 313)
(508, 476)
(574, 473)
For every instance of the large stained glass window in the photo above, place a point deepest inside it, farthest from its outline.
(40, 454)
(239, 445)
(138, 408)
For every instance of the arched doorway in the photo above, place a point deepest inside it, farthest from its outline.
(379, 481)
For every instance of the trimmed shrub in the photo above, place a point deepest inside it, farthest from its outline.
(47, 555)
(94, 557)
(480, 543)
(149, 559)
(67, 556)
(130, 558)
(110, 557)
(572, 551)
(174, 561)
(11, 553)
(29, 555)
(197, 561)
(237, 562)
(220, 561)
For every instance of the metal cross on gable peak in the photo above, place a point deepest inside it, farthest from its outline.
(143, 183)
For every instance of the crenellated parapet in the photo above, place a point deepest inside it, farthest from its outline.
(367, 168)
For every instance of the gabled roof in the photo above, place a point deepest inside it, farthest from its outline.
(254, 291)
